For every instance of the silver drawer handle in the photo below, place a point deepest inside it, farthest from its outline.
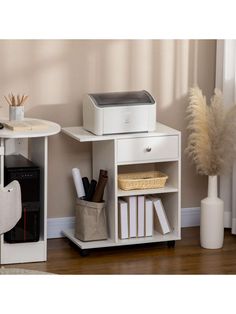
(148, 149)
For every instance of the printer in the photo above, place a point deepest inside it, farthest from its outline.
(119, 112)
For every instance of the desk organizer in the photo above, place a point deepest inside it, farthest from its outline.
(142, 180)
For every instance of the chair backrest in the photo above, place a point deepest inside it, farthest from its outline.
(10, 206)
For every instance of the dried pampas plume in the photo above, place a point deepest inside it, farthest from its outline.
(212, 133)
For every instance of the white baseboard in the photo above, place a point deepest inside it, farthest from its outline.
(56, 225)
(189, 217)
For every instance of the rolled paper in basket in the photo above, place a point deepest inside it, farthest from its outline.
(86, 186)
(102, 181)
(102, 173)
(78, 182)
(91, 190)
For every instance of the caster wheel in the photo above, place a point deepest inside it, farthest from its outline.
(171, 244)
(84, 253)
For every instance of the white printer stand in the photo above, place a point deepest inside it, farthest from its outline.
(158, 150)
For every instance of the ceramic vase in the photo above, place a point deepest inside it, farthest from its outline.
(212, 218)
(16, 113)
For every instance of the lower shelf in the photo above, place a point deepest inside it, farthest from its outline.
(157, 237)
(23, 252)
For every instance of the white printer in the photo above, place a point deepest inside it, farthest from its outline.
(119, 112)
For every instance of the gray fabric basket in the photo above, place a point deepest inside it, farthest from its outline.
(90, 221)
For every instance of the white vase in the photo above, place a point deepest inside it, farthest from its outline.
(16, 112)
(212, 218)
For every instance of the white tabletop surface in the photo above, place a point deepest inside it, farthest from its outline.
(80, 134)
(53, 128)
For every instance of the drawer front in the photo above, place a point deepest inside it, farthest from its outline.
(147, 149)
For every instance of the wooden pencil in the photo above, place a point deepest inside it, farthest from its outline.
(8, 101)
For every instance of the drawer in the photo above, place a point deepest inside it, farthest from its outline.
(147, 149)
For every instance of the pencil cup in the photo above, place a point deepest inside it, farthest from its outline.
(16, 112)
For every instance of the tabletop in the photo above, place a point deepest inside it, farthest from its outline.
(52, 129)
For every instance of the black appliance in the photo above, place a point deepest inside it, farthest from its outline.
(17, 167)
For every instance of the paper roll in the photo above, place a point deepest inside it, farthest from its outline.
(102, 181)
(91, 190)
(78, 182)
(86, 186)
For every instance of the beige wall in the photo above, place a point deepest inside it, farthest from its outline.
(56, 74)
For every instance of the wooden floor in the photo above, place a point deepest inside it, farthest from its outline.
(186, 258)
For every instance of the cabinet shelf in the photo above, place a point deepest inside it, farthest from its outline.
(157, 237)
(70, 234)
(166, 189)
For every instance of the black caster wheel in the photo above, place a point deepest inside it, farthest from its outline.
(84, 253)
(171, 244)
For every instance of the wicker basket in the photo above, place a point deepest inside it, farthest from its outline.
(142, 180)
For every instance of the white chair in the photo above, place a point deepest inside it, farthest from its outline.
(10, 206)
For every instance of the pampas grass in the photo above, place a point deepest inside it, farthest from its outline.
(212, 133)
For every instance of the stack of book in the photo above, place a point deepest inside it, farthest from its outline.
(139, 215)
(25, 125)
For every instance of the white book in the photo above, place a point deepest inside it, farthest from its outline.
(132, 215)
(161, 222)
(141, 206)
(148, 217)
(25, 125)
(123, 219)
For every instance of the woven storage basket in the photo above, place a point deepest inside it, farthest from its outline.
(142, 180)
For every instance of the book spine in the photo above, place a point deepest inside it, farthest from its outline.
(123, 219)
(133, 216)
(148, 218)
(162, 222)
(163, 218)
(140, 216)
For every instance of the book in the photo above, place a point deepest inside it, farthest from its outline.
(132, 215)
(141, 206)
(25, 125)
(148, 217)
(123, 219)
(161, 223)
